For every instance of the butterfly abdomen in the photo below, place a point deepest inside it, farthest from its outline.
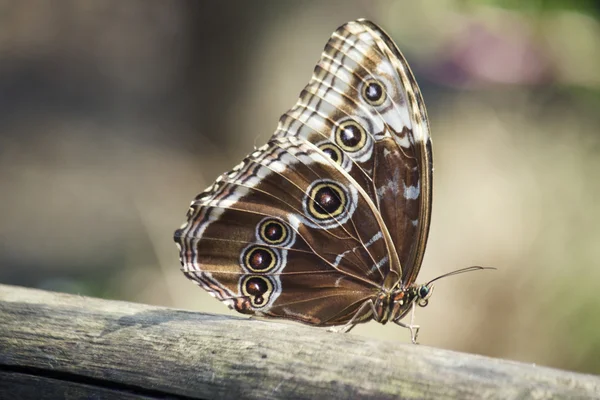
(383, 308)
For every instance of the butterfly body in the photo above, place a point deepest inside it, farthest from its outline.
(327, 223)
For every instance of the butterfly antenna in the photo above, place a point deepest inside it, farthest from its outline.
(458, 271)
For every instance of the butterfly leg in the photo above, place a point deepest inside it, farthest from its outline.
(355, 319)
(414, 329)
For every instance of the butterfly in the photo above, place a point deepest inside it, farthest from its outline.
(327, 223)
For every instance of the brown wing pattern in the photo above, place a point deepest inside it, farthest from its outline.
(334, 211)
(289, 234)
(364, 109)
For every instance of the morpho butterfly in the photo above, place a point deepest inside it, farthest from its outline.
(327, 223)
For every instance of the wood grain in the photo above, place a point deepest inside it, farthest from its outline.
(56, 345)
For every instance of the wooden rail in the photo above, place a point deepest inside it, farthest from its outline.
(56, 345)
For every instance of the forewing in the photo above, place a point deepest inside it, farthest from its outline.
(383, 141)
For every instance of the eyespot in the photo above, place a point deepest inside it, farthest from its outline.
(332, 152)
(259, 259)
(328, 204)
(272, 231)
(325, 200)
(336, 154)
(350, 136)
(275, 232)
(258, 289)
(373, 92)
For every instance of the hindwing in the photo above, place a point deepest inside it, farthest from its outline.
(288, 233)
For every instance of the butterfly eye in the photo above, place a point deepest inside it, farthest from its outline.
(332, 152)
(273, 232)
(258, 288)
(373, 92)
(259, 259)
(326, 201)
(423, 291)
(350, 136)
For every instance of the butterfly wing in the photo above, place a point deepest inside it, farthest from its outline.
(288, 234)
(363, 109)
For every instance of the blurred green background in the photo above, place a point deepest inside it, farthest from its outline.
(115, 114)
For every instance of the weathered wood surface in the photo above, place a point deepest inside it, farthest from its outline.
(63, 346)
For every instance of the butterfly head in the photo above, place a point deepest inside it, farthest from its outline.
(418, 294)
(423, 293)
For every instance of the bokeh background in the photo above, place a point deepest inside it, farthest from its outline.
(115, 114)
